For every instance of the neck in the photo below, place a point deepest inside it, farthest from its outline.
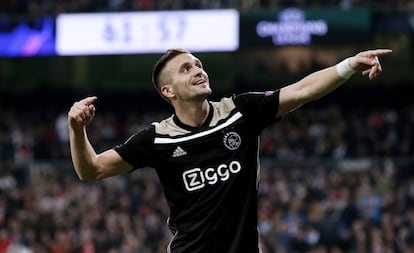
(192, 114)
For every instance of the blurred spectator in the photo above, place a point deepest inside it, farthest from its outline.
(306, 203)
(48, 7)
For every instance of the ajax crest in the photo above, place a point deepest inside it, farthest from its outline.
(232, 140)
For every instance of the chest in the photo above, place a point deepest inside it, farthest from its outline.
(206, 159)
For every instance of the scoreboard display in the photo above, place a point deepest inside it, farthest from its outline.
(147, 32)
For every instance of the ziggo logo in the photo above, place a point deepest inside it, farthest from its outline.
(196, 178)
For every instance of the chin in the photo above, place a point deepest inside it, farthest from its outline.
(209, 92)
(205, 88)
(204, 94)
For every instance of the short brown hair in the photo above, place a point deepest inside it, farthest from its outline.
(162, 61)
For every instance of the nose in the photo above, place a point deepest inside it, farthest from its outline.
(198, 71)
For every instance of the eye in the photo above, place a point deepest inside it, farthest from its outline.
(185, 68)
(199, 65)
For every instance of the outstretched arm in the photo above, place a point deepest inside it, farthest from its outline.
(88, 164)
(322, 82)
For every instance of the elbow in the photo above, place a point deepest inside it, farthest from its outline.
(86, 175)
(86, 179)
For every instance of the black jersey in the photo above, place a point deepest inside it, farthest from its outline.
(209, 174)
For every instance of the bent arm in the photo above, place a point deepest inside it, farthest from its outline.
(87, 163)
(320, 83)
(92, 166)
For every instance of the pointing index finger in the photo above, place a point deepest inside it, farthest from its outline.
(378, 52)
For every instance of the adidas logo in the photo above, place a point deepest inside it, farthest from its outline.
(179, 152)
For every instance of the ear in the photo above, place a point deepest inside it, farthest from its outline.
(167, 91)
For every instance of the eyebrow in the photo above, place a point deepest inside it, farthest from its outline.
(184, 64)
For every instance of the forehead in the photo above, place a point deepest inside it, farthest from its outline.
(181, 59)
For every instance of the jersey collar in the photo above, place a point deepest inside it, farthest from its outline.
(205, 124)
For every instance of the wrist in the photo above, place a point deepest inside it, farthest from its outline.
(344, 69)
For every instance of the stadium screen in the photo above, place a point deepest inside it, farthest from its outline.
(122, 33)
(196, 30)
(294, 26)
(147, 32)
(24, 39)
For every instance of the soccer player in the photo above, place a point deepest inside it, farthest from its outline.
(206, 154)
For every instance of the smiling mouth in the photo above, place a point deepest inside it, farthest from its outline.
(199, 82)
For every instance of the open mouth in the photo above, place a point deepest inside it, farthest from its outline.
(201, 81)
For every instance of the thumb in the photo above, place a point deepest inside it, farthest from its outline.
(89, 100)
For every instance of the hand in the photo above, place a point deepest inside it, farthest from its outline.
(368, 63)
(82, 112)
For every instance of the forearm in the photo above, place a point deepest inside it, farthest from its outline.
(319, 84)
(87, 163)
(83, 154)
(311, 87)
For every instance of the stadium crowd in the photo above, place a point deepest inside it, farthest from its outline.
(303, 206)
(49, 7)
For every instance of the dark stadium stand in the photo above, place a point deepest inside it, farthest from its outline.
(336, 176)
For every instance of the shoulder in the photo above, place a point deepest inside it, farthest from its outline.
(168, 127)
(224, 105)
(255, 96)
(259, 107)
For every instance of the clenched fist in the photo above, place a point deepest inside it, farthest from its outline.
(82, 112)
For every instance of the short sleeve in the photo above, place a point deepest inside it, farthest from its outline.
(259, 108)
(137, 150)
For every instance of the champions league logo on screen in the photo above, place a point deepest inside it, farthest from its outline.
(292, 28)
